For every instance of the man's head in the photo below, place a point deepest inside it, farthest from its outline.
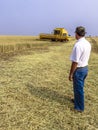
(80, 31)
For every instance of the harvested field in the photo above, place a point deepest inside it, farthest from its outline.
(34, 88)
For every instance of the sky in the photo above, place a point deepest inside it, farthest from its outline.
(32, 17)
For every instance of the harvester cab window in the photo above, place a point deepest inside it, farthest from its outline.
(56, 32)
(64, 34)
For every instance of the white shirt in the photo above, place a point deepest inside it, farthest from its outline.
(81, 52)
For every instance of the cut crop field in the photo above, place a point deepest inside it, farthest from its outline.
(35, 91)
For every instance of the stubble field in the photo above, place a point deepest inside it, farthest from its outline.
(35, 91)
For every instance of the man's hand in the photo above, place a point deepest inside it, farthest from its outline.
(73, 68)
(70, 77)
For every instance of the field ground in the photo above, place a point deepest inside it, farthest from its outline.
(34, 88)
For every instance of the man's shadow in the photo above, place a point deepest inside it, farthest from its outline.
(51, 95)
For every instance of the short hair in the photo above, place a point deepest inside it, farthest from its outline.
(80, 30)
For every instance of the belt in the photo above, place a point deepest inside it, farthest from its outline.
(82, 67)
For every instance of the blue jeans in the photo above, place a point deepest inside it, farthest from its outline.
(78, 87)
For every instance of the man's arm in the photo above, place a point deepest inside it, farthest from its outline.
(73, 68)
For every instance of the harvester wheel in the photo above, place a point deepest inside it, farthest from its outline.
(62, 40)
(52, 40)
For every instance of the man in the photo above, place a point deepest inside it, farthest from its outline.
(79, 67)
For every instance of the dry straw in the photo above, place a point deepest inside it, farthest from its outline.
(35, 91)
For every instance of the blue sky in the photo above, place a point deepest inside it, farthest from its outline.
(31, 17)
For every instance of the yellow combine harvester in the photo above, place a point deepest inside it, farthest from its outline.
(59, 34)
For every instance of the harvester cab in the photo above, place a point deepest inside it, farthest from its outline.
(60, 31)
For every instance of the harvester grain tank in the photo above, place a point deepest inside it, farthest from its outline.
(59, 34)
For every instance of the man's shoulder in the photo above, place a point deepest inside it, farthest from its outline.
(87, 42)
(82, 41)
